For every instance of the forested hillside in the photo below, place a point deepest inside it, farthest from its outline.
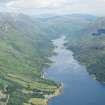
(25, 45)
(88, 46)
(24, 50)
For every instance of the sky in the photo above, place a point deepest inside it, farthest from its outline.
(94, 7)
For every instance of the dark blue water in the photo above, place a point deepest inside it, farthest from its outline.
(79, 87)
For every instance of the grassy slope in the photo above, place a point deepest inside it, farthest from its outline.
(24, 49)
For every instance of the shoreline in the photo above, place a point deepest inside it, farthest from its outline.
(57, 92)
(59, 89)
(47, 98)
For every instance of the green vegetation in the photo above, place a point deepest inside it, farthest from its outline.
(25, 46)
(88, 46)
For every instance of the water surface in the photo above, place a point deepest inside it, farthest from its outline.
(79, 87)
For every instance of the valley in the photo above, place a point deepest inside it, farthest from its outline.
(79, 87)
(26, 46)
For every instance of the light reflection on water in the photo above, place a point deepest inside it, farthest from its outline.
(79, 88)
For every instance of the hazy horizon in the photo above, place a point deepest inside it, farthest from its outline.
(59, 7)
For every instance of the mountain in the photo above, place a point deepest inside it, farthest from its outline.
(67, 24)
(25, 46)
(88, 46)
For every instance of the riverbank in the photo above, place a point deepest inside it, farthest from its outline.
(44, 101)
(58, 91)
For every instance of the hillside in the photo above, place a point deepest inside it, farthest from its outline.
(24, 50)
(88, 46)
(25, 45)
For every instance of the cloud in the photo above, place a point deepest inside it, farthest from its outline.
(35, 4)
(96, 7)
